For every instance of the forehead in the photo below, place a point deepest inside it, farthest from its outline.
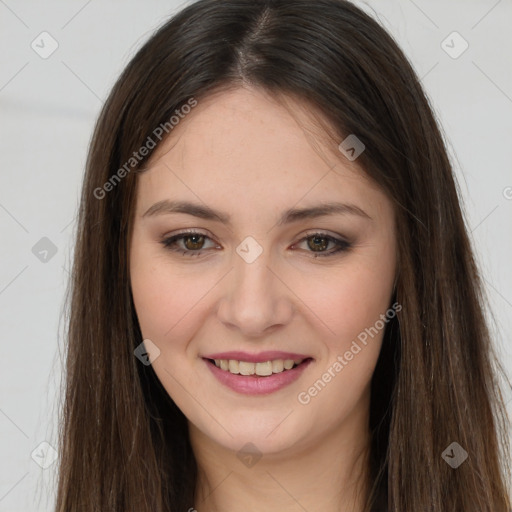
(249, 121)
(244, 144)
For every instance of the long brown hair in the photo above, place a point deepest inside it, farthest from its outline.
(123, 442)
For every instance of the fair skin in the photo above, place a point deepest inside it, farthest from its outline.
(242, 153)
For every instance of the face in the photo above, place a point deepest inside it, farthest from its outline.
(250, 274)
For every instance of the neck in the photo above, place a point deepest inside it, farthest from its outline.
(328, 474)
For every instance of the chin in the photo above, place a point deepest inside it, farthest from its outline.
(264, 434)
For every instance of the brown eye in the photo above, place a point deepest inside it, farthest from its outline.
(193, 242)
(188, 243)
(318, 243)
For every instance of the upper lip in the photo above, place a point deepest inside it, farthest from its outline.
(260, 357)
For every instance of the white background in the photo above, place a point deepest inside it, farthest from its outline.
(48, 109)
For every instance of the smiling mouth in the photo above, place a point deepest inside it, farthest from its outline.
(263, 369)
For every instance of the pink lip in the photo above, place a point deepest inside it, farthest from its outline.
(261, 357)
(254, 384)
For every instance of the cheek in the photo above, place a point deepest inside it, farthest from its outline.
(354, 308)
(350, 299)
(168, 301)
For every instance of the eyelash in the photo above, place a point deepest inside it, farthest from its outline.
(341, 245)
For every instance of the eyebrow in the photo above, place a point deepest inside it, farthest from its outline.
(292, 215)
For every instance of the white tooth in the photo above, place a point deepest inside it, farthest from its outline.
(288, 364)
(277, 366)
(298, 361)
(264, 369)
(246, 368)
(233, 366)
(224, 364)
(217, 362)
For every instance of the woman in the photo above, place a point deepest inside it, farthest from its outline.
(275, 304)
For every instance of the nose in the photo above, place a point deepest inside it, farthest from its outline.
(255, 300)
